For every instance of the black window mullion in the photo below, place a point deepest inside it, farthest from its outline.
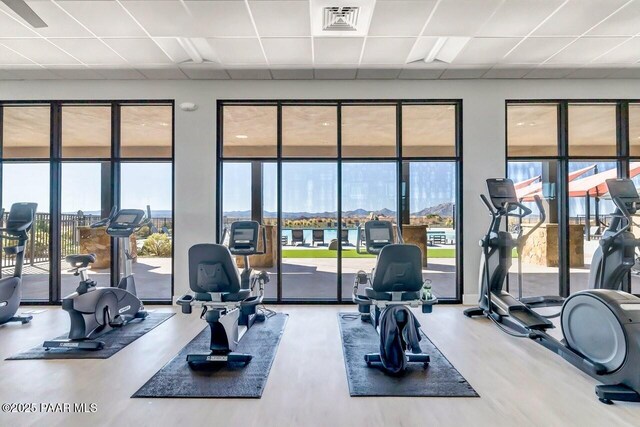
(115, 187)
(279, 193)
(622, 138)
(55, 201)
(399, 182)
(339, 228)
(563, 199)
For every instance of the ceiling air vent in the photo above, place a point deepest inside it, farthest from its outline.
(344, 18)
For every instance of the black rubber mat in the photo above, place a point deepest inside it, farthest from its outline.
(114, 341)
(177, 379)
(439, 379)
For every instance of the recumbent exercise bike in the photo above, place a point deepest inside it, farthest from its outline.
(228, 298)
(395, 280)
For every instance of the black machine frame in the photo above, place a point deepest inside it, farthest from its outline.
(401, 165)
(111, 187)
(622, 158)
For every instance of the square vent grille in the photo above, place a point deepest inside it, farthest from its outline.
(343, 18)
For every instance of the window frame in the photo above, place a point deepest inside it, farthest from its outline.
(113, 189)
(397, 158)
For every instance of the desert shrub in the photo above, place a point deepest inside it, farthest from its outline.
(156, 245)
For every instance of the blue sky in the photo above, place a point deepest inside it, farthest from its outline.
(312, 187)
(142, 184)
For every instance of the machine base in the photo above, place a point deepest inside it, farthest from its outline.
(21, 319)
(228, 358)
(608, 393)
(473, 311)
(372, 358)
(91, 345)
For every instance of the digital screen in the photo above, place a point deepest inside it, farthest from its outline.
(623, 188)
(243, 234)
(126, 219)
(379, 235)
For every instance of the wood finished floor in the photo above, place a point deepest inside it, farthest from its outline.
(520, 382)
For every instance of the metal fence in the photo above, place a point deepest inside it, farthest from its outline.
(37, 250)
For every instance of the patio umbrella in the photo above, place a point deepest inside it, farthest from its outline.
(596, 185)
(526, 182)
(526, 193)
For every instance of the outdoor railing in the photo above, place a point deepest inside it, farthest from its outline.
(37, 250)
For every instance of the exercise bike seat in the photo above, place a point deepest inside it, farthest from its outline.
(80, 260)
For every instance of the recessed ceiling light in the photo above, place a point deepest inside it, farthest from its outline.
(520, 124)
(242, 136)
(532, 124)
(326, 124)
(164, 124)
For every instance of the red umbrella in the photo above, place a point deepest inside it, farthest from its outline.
(526, 193)
(595, 185)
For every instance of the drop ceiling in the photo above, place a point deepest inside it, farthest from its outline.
(263, 39)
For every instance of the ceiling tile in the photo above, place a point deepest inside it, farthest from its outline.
(518, 17)
(464, 73)
(335, 73)
(506, 73)
(8, 56)
(460, 17)
(292, 74)
(204, 72)
(103, 18)
(391, 50)
(250, 74)
(536, 50)
(40, 51)
(485, 50)
(9, 27)
(547, 72)
(138, 51)
(378, 73)
(584, 50)
(400, 18)
(221, 19)
(626, 53)
(285, 51)
(622, 23)
(337, 50)
(168, 73)
(160, 18)
(238, 51)
(89, 51)
(421, 73)
(578, 16)
(59, 23)
(268, 18)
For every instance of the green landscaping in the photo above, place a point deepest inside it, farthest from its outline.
(351, 253)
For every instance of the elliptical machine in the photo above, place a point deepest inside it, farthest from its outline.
(93, 310)
(601, 326)
(395, 281)
(227, 298)
(19, 223)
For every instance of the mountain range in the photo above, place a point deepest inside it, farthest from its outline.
(443, 209)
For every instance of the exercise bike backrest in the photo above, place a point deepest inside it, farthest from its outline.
(20, 221)
(505, 203)
(377, 235)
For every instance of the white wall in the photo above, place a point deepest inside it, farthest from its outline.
(483, 133)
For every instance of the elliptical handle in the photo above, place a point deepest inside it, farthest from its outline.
(487, 204)
(107, 220)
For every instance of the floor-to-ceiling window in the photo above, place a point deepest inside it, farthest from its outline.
(315, 171)
(77, 160)
(563, 152)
